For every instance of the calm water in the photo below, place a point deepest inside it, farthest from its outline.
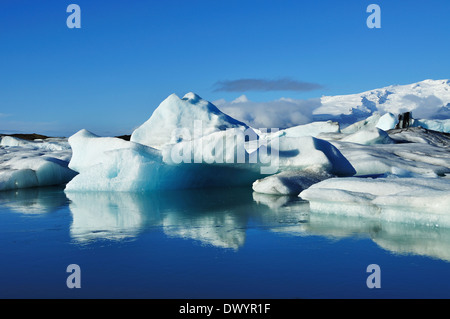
(222, 243)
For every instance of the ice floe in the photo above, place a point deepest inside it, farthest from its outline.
(406, 199)
(26, 164)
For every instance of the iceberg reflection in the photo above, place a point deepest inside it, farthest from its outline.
(214, 217)
(37, 200)
(104, 215)
(397, 237)
(218, 218)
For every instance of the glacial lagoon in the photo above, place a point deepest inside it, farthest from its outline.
(209, 243)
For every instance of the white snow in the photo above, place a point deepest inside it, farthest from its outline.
(420, 135)
(26, 164)
(404, 199)
(427, 99)
(435, 125)
(175, 120)
(312, 129)
(368, 137)
(418, 158)
(108, 163)
(190, 143)
(288, 182)
(387, 122)
(49, 144)
(367, 123)
(218, 159)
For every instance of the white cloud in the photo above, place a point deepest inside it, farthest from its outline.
(279, 113)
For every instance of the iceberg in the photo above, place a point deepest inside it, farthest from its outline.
(49, 144)
(420, 135)
(368, 123)
(313, 129)
(435, 125)
(368, 136)
(25, 164)
(174, 119)
(112, 164)
(216, 160)
(289, 182)
(227, 153)
(387, 122)
(400, 199)
(378, 159)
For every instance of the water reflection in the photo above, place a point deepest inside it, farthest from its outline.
(34, 200)
(217, 217)
(397, 237)
(214, 217)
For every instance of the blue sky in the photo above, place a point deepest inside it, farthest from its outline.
(128, 56)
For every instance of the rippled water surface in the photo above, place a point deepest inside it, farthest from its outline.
(220, 243)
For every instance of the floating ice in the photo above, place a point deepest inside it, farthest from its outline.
(227, 153)
(26, 164)
(378, 159)
(420, 135)
(416, 199)
(313, 129)
(387, 122)
(288, 182)
(368, 123)
(112, 164)
(435, 125)
(218, 159)
(49, 144)
(174, 120)
(368, 137)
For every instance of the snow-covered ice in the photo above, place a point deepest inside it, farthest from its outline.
(189, 143)
(420, 135)
(404, 199)
(368, 137)
(218, 159)
(312, 129)
(435, 125)
(387, 122)
(428, 99)
(26, 164)
(289, 182)
(420, 158)
(220, 156)
(112, 164)
(174, 120)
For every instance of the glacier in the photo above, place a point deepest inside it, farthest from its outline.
(428, 99)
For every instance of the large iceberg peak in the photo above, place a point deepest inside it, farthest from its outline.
(178, 119)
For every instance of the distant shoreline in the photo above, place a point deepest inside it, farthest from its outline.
(35, 136)
(28, 137)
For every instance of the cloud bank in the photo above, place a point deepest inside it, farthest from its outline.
(281, 113)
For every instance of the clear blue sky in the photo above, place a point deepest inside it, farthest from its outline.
(128, 56)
